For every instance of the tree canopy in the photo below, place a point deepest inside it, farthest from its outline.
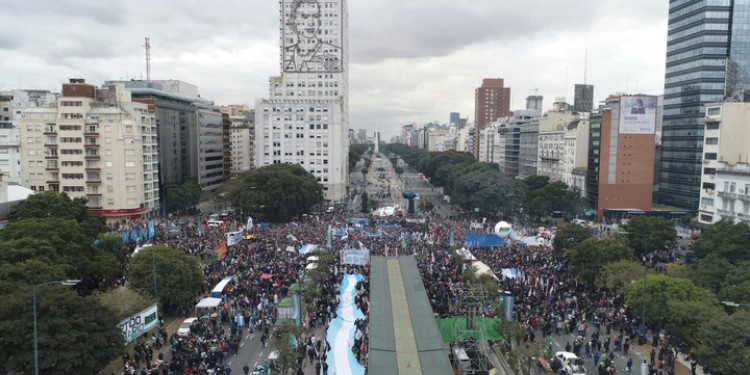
(649, 233)
(589, 257)
(51, 204)
(279, 191)
(183, 196)
(570, 236)
(727, 240)
(76, 334)
(62, 245)
(178, 276)
(725, 343)
(663, 295)
(543, 197)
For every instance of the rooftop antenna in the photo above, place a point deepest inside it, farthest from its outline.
(585, 65)
(148, 59)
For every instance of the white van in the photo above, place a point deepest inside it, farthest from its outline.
(215, 223)
(463, 362)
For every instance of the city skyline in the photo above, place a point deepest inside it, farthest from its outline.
(444, 49)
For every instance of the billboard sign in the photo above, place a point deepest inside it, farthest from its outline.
(637, 115)
(138, 324)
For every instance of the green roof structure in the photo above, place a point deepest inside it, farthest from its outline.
(404, 336)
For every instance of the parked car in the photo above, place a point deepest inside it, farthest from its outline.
(571, 362)
(184, 329)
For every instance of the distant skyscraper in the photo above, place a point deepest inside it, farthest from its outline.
(708, 58)
(455, 119)
(491, 102)
(534, 102)
(583, 99)
(305, 121)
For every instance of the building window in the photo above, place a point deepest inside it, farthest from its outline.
(712, 141)
(709, 156)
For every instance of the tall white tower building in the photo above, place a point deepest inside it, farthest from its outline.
(305, 120)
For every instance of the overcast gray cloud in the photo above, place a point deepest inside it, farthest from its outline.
(412, 61)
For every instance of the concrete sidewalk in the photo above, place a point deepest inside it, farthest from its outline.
(682, 365)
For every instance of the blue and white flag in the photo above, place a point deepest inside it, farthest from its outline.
(291, 237)
(234, 238)
(249, 223)
(151, 230)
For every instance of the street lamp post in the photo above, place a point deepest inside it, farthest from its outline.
(645, 274)
(242, 205)
(70, 282)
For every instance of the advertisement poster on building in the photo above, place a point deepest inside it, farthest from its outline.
(138, 324)
(638, 115)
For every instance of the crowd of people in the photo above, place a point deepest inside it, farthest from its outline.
(548, 299)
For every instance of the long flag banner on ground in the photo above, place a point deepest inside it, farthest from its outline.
(234, 238)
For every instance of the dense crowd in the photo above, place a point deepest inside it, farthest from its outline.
(548, 299)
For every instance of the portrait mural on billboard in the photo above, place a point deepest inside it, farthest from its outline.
(307, 51)
(637, 115)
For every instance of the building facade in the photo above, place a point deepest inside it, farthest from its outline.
(575, 158)
(12, 103)
(97, 144)
(583, 98)
(725, 178)
(242, 144)
(491, 102)
(708, 59)
(305, 120)
(551, 143)
(623, 138)
(190, 130)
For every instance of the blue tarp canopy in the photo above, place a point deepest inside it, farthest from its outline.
(483, 240)
(219, 288)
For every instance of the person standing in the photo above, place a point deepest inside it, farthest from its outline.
(246, 369)
(644, 368)
(629, 366)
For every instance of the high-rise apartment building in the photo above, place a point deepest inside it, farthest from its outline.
(193, 138)
(98, 144)
(305, 120)
(583, 98)
(491, 102)
(708, 59)
(12, 103)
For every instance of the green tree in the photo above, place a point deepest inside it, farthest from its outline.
(478, 185)
(710, 272)
(725, 343)
(616, 276)
(183, 196)
(282, 191)
(725, 239)
(650, 233)
(113, 243)
(123, 302)
(285, 338)
(569, 237)
(663, 292)
(51, 204)
(178, 276)
(535, 182)
(434, 160)
(76, 334)
(687, 316)
(60, 242)
(736, 284)
(588, 258)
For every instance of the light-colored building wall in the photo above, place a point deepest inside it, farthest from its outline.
(12, 103)
(96, 144)
(306, 118)
(726, 152)
(242, 143)
(576, 154)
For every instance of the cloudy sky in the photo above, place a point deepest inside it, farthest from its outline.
(410, 61)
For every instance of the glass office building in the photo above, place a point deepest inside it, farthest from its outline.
(708, 60)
